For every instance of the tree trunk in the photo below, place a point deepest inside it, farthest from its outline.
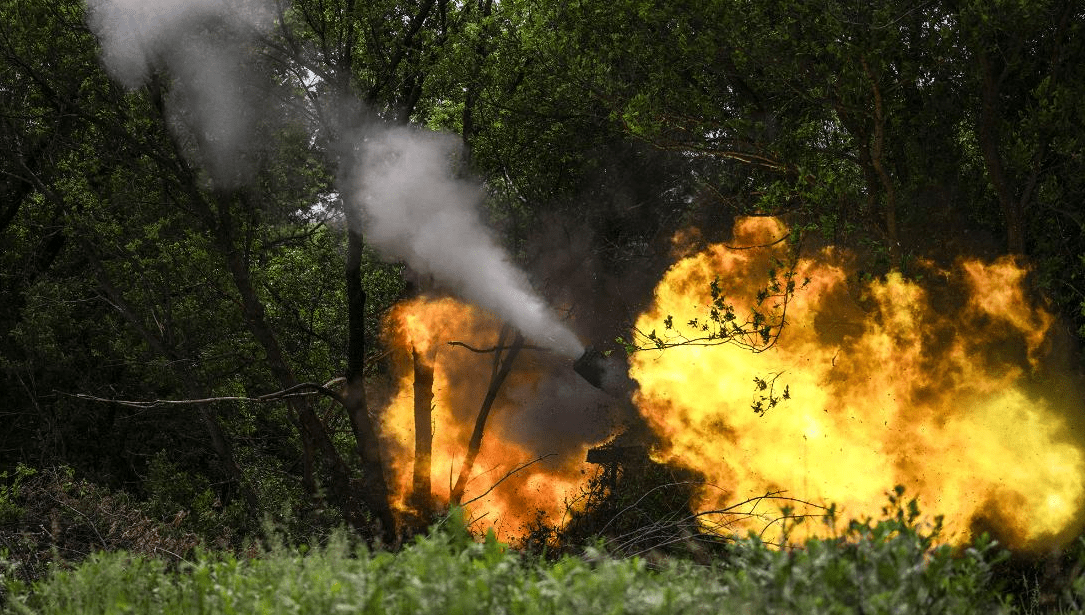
(1012, 213)
(501, 367)
(374, 484)
(217, 217)
(421, 489)
(312, 428)
(877, 160)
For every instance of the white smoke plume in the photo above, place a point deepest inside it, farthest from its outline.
(200, 44)
(414, 208)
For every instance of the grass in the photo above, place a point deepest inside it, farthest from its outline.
(889, 566)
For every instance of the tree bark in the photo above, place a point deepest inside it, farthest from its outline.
(421, 487)
(373, 482)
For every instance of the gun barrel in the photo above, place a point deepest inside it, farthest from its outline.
(591, 365)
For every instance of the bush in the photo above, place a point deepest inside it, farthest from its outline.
(11, 484)
(187, 499)
(891, 566)
(56, 520)
(635, 508)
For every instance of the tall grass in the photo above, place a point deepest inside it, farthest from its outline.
(890, 566)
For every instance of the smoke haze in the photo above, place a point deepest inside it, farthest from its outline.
(414, 209)
(402, 188)
(201, 45)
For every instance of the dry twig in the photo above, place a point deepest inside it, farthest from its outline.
(298, 390)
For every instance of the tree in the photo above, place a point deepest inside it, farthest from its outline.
(891, 126)
(129, 271)
(169, 255)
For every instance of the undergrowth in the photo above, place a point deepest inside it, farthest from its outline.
(888, 566)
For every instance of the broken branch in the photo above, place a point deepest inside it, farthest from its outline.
(298, 390)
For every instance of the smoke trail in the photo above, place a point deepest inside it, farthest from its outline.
(201, 44)
(414, 209)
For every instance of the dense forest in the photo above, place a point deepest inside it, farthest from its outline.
(210, 211)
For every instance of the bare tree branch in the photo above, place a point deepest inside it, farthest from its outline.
(499, 348)
(298, 390)
(502, 365)
(507, 476)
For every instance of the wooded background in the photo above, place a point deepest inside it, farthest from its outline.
(901, 130)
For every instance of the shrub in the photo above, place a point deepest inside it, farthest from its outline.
(187, 499)
(890, 566)
(634, 508)
(11, 483)
(894, 565)
(59, 520)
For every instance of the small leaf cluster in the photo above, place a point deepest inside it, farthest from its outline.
(766, 398)
(758, 331)
(11, 483)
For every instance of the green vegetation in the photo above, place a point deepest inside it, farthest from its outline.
(890, 566)
(183, 357)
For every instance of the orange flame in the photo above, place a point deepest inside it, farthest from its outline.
(461, 377)
(945, 391)
(949, 387)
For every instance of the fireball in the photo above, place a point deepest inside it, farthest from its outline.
(946, 388)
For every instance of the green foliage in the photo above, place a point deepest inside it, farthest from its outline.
(871, 124)
(886, 567)
(11, 483)
(883, 567)
(621, 119)
(634, 506)
(116, 282)
(187, 500)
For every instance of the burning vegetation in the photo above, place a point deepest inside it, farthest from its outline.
(949, 382)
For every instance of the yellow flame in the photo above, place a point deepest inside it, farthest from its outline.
(889, 384)
(943, 385)
(461, 377)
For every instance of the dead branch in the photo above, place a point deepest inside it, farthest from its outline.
(782, 239)
(499, 348)
(772, 495)
(679, 527)
(502, 365)
(507, 476)
(304, 389)
(644, 495)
